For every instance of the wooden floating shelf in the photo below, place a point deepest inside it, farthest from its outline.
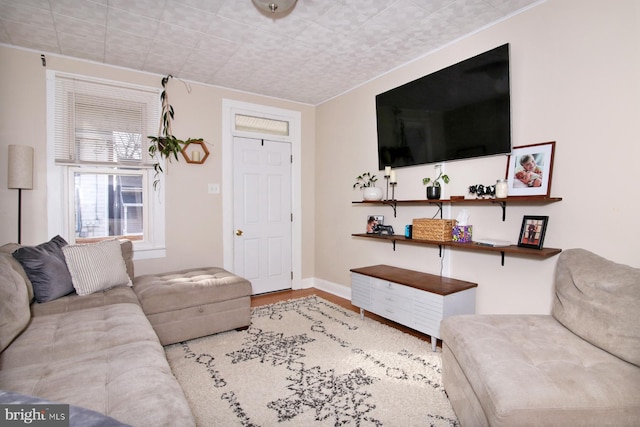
(513, 199)
(543, 200)
(511, 249)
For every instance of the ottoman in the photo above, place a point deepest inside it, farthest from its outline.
(186, 304)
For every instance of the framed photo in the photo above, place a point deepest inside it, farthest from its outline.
(372, 221)
(529, 169)
(532, 231)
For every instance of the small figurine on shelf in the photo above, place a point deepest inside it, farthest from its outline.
(482, 190)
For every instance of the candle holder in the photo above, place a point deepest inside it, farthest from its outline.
(393, 190)
(386, 177)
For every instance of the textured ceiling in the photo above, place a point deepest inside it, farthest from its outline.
(322, 48)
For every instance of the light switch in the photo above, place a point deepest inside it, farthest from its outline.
(214, 188)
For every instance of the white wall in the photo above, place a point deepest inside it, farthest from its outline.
(575, 67)
(194, 217)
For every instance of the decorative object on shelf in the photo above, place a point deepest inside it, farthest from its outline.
(367, 183)
(439, 230)
(433, 191)
(462, 230)
(408, 231)
(533, 231)
(273, 7)
(197, 155)
(390, 177)
(383, 229)
(529, 169)
(20, 175)
(462, 233)
(501, 189)
(482, 190)
(165, 144)
(373, 221)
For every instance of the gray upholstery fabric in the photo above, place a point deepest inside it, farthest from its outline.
(599, 300)
(197, 286)
(575, 367)
(529, 370)
(14, 303)
(97, 352)
(46, 268)
(130, 382)
(127, 255)
(193, 303)
(117, 295)
(66, 335)
(8, 249)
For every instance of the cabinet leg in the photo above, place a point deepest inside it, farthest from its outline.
(434, 341)
(362, 314)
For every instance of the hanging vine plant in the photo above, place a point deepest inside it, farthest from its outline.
(165, 145)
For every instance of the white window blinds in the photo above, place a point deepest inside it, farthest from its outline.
(103, 123)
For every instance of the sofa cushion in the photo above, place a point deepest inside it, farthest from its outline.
(71, 302)
(177, 290)
(529, 370)
(599, 300)
(64, 335)
(130, 382)
(14, 303)
(96, 267)
(46, 268)
(8, 249)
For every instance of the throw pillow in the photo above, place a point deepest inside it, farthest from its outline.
(46, 268)
(96, 267)
(599, 300)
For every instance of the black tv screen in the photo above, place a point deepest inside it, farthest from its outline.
(459, 112)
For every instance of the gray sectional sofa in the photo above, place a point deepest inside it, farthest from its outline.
(93, 348)
(579, 366)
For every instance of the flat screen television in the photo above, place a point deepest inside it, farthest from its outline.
(459, 112)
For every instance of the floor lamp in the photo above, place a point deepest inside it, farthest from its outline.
(20, 175)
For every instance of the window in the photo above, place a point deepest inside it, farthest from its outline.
(100, 166)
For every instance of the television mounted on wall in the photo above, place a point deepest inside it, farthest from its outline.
(459, 112)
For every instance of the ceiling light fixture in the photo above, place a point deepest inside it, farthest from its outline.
(274, 6)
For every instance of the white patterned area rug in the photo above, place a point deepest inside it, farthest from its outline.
(309, 362)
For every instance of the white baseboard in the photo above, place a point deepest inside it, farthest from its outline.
(336, 289)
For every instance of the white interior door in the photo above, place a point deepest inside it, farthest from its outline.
(262, 213)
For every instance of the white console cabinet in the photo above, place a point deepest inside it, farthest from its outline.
(417, 300)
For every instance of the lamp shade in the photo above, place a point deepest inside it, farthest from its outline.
(274, 6)
(20, 167)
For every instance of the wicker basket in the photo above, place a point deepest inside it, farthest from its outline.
(438, 230)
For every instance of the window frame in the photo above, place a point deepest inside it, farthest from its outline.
(60, 184)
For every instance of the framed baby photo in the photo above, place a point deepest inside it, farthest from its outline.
(529, 169)
(532, 231)
(373, 221)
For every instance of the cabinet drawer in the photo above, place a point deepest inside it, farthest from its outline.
(396, 312)
(389, 302)
(391, 288)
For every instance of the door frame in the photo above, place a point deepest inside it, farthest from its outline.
(229, 109)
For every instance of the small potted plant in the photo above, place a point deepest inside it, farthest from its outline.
(367, 183)
(433, 190)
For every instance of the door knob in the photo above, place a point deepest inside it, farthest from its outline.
(238, 232)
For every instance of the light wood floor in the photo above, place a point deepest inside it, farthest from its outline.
(271, 298)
